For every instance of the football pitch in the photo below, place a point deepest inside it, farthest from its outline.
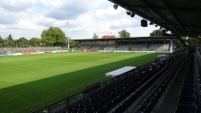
(33, 81)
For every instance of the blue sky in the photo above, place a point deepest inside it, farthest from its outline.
(28, 18)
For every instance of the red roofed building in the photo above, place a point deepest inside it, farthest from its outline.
(108, 36)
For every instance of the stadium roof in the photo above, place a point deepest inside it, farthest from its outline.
(132, 38)
(181, 17)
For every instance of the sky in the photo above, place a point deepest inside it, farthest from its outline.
(28, 18)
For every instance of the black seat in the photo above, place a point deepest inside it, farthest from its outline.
(108, 106)
(144, 108)
(187, 100)
(101, 110)
(118, 109)
(188, 92)
(186, 108)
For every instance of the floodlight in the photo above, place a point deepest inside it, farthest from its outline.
(143, 23)
(115, 6)
(132, 15)
(151, 23)
(128, 12)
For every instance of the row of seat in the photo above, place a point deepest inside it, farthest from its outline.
(189, 94)
(139, 84)
(152, 99)
(149, 103)
(124, 91)
(110, 96)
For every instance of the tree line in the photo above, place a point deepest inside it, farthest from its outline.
(55, 37)
(52, 37)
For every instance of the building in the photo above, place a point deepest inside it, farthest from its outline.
(108, 37)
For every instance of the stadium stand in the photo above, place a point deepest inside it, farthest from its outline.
(122, 48)
(30, 50)
(189, 97)
(96, 47)
(159, 47)
(129, 45)
(109, 48)
(140, 91)
(84, 47)
(139, 47)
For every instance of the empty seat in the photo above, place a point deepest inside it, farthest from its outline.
(118, 109)
(139, 112)
(188, 86)
(144, 108)
(124, 106)
(187, 100)
(186, 108)
(108, 106)
(188, 92)
(100, 110)
(149, 99)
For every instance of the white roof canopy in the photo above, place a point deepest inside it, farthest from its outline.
(120, 71)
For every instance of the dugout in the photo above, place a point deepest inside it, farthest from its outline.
(127, 70)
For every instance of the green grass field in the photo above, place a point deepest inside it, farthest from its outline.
(33, 81)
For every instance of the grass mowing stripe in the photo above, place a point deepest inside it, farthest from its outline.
(49, 77)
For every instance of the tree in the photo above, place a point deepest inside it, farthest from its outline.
(157, 32)
(1, 42)
(53, 36)
(124, 34)
(23, 42)
(95, 36)
(35, 42)
(9, 41)
(73, 44)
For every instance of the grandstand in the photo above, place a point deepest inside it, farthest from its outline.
(135, 44)
(29, 50)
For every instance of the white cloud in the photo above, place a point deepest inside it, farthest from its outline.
(109, 13)
(28, 18)
(7, 17)
(64, 9)
(16, 5)
(43, 21)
